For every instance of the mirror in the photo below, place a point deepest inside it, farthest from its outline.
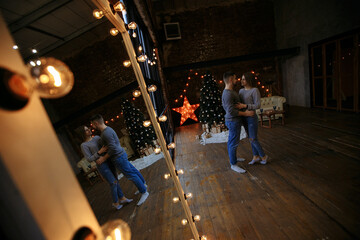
(101, 83)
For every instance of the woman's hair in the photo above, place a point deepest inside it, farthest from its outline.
(250, 78)
(80, 131)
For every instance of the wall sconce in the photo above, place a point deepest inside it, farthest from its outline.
(116, 230)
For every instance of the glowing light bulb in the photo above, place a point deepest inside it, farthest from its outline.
(119, 6)
(197, 218)
(147, 123)
(127, 63)
(114, 31)
(116, 230)
(136, 93)
(140, 48)
(157, 150)
(98, 14)
(180, 172)
(132, 25)
(176, 199)
(184, 222)
(134, 35)
(167, 176)
(15, 47)
(152, 88)
(171, 145)
(252, 72)
(203, 237)
(142, 58)
(162, 118)
(53, 78)
(189, 195)
(33, 50)
(56, 75)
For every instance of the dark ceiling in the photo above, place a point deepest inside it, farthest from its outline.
(46, 25)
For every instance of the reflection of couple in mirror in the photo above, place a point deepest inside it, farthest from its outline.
(108, 154)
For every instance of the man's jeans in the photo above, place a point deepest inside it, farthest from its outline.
(234, 139)
(122, 163)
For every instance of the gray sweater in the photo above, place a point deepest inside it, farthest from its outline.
(229, 99)
(250, 97)
(111, 140)
(90, 148)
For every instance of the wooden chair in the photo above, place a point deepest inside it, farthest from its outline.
(90, 170)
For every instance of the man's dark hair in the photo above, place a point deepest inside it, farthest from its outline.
(227, 75)
(97, 118)
(250, 78)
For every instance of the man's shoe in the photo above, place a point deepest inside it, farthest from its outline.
(238, 169)
(143, 198)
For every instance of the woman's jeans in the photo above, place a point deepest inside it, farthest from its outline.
(251, 127)
(233, 140)
(122, 163)
(106, 172)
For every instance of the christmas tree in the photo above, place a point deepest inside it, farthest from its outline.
(211, 109)
(134, 120)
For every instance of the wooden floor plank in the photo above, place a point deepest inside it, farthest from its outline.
(310, 189)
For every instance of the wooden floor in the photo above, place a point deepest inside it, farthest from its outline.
(310, 189)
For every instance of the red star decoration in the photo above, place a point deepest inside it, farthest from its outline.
(187, 111)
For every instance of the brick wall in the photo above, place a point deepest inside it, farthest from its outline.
(217, 32)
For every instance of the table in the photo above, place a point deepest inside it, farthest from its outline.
(270, 114)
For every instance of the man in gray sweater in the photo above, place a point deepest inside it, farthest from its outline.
(230, 99)
(118, 156)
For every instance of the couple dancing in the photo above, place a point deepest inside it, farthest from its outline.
(240, 110)
(107, 152)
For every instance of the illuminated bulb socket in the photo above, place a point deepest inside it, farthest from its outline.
(132, 25)
(146, 123)
(188, 195)
(98, 14)
(176, 199)
(114, 31)
(197, 218)
(167, 176)
(162, 118)
(184, 222)
(152, 88)
(171, 146)
(157, 150)
(136, 93)
(119, 7)
(180, 172)
(142, 58)
(127, 63)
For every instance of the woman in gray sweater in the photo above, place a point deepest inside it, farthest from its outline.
(250, 99)
(92, 149)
